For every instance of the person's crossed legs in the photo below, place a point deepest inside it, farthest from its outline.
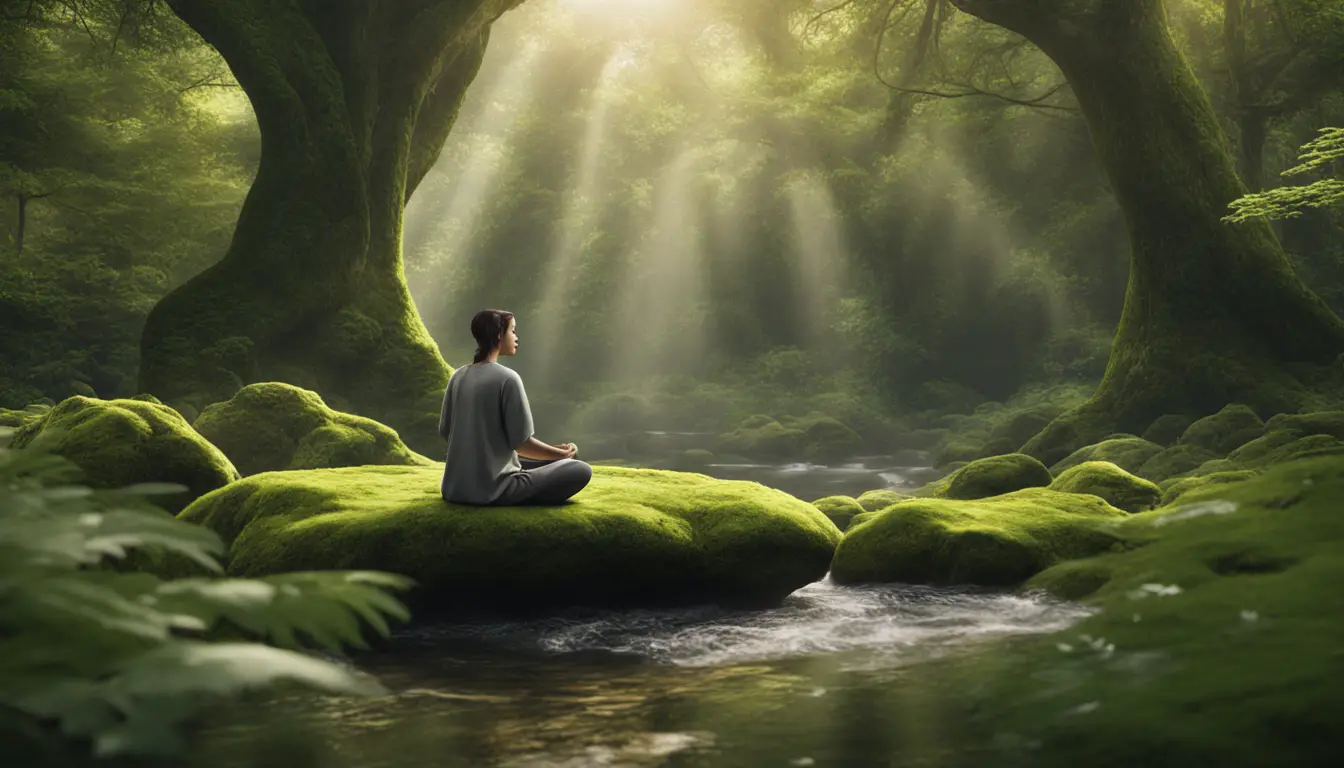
(548, 482)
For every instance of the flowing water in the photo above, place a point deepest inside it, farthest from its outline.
(823, 680)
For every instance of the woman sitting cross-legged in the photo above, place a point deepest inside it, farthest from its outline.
(488, 425)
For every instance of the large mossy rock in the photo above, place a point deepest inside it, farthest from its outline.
(637, 537)
(1216, 642)
(1173, 461)
(1167, 429)
(273, 426)
(990, 477)
(1119, 488)
(1001, 541)
(117, 443)
(1127, 453)
(1223, 431)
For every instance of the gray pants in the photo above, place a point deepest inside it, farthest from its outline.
(546, 482)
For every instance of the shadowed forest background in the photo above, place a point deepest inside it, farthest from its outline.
(963, 380)
(698, 211)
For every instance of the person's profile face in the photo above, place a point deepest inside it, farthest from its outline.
(508, 344)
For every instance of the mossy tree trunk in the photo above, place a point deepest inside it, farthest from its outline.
(354, 99)
(1213, 312)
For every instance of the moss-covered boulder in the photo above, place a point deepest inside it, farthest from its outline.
(762, 439)
(1225, 430)
(633, 537)
(1318, 423)
(881, 498)
(990, 477)
(117, 443)
(1001, 541)
(840, 509)
(1119, 488)
(1173, 461)
(274, 426)
(1176, 488)
(825, 437)
(1216, 642)
(1127, 453)
(1167, 429)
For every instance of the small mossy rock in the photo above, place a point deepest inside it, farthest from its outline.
(881, 498)
(1175, 489)
(826, 437)
(633, 537)
(1223, 431)
(1167, 429)
(117, 443)
(1221, 635)
(274, 426)
(958, 450)
(994, 476)
(1127, 453)
(1176, 460)
(771, 440)
(840, 509)
(696, 457)
(146, 398)
(1318, 423)
(1119, 488)
(994, 542)
(1261, 447)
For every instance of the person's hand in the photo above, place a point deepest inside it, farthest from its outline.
(570, 449)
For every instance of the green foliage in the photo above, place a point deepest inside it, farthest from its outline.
(125, 662)
(1287, 202)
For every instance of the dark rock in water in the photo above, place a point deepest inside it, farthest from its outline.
(634, 537)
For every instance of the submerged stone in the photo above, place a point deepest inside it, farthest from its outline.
(1000, 541)
(633, 537)
(117, 443)
(274, 426)
(1119, 488)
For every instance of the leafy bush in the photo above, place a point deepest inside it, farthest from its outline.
(124, 661)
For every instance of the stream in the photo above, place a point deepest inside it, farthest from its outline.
(815, 682)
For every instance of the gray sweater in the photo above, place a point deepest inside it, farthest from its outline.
(485, 418)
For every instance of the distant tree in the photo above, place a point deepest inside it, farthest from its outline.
(354, 100)
(1213, 314)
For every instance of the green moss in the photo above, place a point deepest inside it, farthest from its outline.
(117, 443)
(1022, 426)
(1119, 488)
(1220, 433)
(826, 438)
(1174, 489)
(991, 477)
(959, 449)
(632, 537)
(1128, 453)
(1216, 642)
(274, 426)
(840, 509)
(1167, 429)
(1319, 423)
(872, 501)
(999, 541)
(770, 440)
(1173, 461)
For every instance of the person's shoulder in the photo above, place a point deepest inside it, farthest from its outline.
(506, 372)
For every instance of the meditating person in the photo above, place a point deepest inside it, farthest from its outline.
(488, 425)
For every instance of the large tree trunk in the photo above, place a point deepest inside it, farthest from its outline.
(354, 99)
(1213, 313)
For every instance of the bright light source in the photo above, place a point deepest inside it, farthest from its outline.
(628, 9)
